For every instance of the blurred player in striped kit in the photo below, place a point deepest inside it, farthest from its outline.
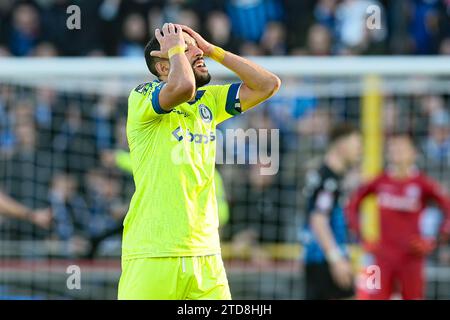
(328, 270)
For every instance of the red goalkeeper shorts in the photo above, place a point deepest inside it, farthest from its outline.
(398, 274)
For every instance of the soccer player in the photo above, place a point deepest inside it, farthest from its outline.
(328, 272)
(171, 246)
(402, 193)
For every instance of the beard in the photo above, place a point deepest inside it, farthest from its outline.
(201, 79)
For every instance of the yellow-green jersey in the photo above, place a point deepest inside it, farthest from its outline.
(173, 211)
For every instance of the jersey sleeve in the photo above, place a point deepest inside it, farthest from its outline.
(354, 202)
(227, 102)
(143, 102)
(322, 192)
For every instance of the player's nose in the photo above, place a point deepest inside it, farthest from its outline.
(197, 52)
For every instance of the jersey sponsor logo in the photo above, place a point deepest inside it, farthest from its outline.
(181, 134)
(205, 113)
(400, 203)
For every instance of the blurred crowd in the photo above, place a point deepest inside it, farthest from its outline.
(58, 152)
(247, 27)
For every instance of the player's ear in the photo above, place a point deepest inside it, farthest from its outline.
(162, 67)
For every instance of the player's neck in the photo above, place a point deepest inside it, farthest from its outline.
(335, 162)
(401, 172)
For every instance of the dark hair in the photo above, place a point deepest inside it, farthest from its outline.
(341, 130)
(152, 45)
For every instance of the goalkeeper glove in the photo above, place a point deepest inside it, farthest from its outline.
(422, 247)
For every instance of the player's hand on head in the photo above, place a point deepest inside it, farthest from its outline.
(169, 36)
(204, 45)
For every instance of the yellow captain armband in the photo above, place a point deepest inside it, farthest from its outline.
(218, 54)
(176, 50)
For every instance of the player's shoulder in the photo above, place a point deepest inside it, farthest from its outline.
(424, 178)
(383, 176)
(322, 178)
(145, 88)
(326, 173)
(431, 185)
(313, 178)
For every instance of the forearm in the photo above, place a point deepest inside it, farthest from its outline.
(354, 203)
(258, 83)
(254, 76)
(12, 208)
(322, 231)
(181, 77)
(352, 213)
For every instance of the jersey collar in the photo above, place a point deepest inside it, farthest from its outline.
(198, 95)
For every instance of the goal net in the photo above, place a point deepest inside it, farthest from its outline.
(63, 146)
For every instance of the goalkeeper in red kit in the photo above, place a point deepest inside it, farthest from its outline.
(402, 193)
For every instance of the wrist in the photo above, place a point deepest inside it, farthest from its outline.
(177, 49)
(28, 215)
(217, 54)
(333, 256)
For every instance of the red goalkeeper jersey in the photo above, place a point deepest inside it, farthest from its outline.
(400, 204)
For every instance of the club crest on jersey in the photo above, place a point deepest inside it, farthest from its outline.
(205, 113)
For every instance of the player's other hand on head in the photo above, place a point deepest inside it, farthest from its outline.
(169, 36)
(342, 273)
(204, 45)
